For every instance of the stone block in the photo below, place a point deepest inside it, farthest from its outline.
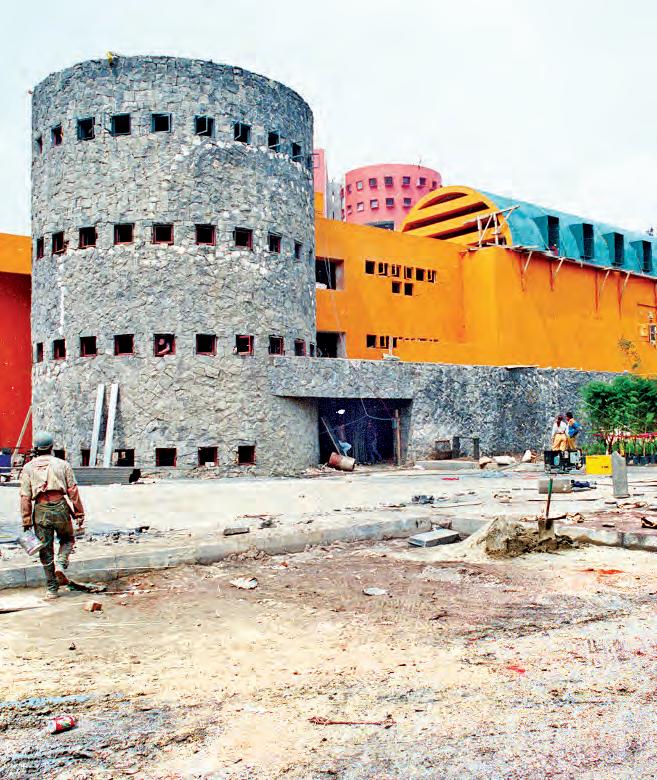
(559, 485)
(13, 577)
(434, 538)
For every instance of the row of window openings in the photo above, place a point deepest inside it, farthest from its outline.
(395, 270)
(374, 204)
(615, 241)
(206, 235)
(168, 456)
(388, 181)
(384, 342)
(165, 344)
(121, 124)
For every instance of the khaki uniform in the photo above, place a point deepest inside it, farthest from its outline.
(41, 480)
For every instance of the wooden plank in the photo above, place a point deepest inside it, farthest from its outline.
(22, 433)
(98, 414)
(109, 432)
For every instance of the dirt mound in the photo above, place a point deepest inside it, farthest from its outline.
(503, 537)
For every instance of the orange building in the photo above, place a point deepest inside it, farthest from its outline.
(488, 300)
(15, 349)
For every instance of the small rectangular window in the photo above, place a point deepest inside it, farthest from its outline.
(370, 341)
(370, 265)
(395, 270)
(207, 455)
(243, 237)
(359, 185)
(388, 181)
(384, 342)
(312, 349)
(58, 243)
(372, 183)
(408, 288)
(406, 181)
(88, 237)
(419, 274)
(57, 135)
(206, 344)
(124, 233)
(297, 156)
(125, 458)
(124, 344)
(422, 181)
(349, 208)
(298, 250)
(382, 269)
(434, 184)
(39, 144)
(407, 203)
(617, 249)
(61, 454)
(299, 347)
(166, 456)
(120, 124)
(431, 276)
(360, 206)
(646, 256)
(390, 203)
(273, 242)
(243, 345)
(408, 272)
(163, 234)
(39, 352)
(85, 457)
(40, 248)
(374, 204)
(59, 349)
(242, 132)
(164, 344)
(86, 129)
(396, 288)
(274, 141)
(276, 345)
(160, 123)
(588, 246)
(204, 125)
(395, 339)
(246, 455)
(88, 346)
(553, 234)
(205, 235)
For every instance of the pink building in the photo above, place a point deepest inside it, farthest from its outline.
(320, 175)
(382, 195)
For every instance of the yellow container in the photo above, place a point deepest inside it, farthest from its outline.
(598, 464)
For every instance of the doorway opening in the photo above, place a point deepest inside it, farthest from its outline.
(371, 430)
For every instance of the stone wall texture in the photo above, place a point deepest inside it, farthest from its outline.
(509, 409)
(182, 400)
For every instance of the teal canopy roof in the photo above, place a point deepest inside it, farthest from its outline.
(595, 243)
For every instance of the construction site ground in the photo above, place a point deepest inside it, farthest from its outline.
(538, 667)
(175, 514)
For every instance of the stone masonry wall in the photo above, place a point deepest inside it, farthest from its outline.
(509, 409)
(183, 400)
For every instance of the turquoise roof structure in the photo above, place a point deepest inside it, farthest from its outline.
(579, 238)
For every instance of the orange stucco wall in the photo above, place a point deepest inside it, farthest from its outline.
(491, 307)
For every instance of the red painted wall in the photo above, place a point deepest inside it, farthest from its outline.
(15, 357)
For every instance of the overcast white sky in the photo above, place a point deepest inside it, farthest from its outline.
(549, 101)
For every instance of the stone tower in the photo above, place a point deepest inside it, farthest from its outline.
(173, 232)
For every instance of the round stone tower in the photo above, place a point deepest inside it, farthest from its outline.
(173, 231)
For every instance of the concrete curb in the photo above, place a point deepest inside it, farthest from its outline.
(112, 567)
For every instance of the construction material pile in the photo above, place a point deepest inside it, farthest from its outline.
(503, 537)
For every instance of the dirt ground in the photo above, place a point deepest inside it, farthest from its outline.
(538, 667)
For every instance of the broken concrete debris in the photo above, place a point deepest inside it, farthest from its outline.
(375, 591)
(233, 531)
(244, 583)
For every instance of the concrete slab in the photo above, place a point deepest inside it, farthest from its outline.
(434, 538)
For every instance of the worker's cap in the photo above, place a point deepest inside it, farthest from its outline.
(43, 440)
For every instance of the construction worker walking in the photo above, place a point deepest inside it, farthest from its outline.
(49, 483)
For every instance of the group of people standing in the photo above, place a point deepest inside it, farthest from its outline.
(565, 431)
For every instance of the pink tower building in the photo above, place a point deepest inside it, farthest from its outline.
(382, 195)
